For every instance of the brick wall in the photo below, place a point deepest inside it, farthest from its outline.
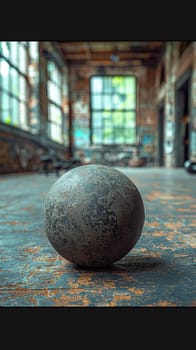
(146, 100)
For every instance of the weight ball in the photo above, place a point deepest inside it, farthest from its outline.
(94, 215)
(190, 167)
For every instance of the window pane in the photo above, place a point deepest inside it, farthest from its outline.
(130, 84)
(22, 59)
(107, 102)
(23, 114)
(15, 111)
(58, 96)
(14, 82)
(51, 68)
(108, 135)
(5, 72)
(97, 102)
(118, 84)
(5, 108)
(23, 88)
(130, 102)
(5, 49)
(117, 101)
(107, 84)
(54, 114)
(53, 131)
(106, 116)
(33, 50)
(97, 85)
(130, 119)
(97, 135)
(14, 52)
(118, 96)
(96, 119)
(118, 118)
(120, 135)
(51, 91)
(58, 78)
(129, 135)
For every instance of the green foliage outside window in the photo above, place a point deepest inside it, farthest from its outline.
(113, 109)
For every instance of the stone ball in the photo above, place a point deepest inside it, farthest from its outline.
(94, 215)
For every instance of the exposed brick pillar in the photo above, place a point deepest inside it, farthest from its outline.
(193, 109)
(43, 94)
(169, 146)
(70, 115)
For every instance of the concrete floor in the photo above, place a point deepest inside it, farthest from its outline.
(158, 271)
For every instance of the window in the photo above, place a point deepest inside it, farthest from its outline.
(57, 127)
(15, 87)
(113, 109)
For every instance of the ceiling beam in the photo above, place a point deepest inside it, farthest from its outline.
(105, 55)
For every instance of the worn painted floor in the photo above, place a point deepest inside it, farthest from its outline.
(159, 270)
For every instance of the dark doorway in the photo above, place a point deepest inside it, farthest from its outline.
(161, 123)
(182, 119)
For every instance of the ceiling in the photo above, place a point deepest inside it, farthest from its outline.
(121, 53)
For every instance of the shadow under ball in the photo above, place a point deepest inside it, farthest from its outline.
(94, 215)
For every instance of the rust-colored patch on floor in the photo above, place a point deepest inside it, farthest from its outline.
(136, 291)
(119, 298)
(158, 233)
(162, 196)
(12, 223)
(153, 195)
(69, 299)
(86, 279)
(125, 276)
(33, 249)
(183, 210)
(165, 303)
(143, 250)
(152, 224)
(173, 225)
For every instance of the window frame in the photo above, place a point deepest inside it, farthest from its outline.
(133, 110)
(14, 116)
(52, 103)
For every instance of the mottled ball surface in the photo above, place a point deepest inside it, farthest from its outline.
(94, 215)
